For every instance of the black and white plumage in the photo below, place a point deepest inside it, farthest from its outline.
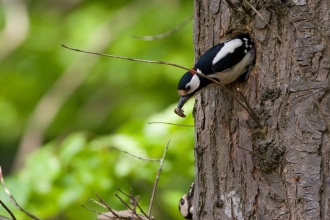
(224, 62)
(186, 204)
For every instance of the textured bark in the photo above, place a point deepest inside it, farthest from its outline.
(293, 181)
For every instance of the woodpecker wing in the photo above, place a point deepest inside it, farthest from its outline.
(204, 63)
(231, 53)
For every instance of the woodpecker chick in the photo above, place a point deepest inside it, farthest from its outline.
(224, 63)
(186, 204)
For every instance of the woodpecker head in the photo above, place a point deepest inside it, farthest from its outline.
(224, 63)
(186, 204)
(189, 86)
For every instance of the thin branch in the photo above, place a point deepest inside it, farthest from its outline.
(100, 204)
(261, 127)
(108, 207)
(127, 58)
(129, 196)
(252, 114)
(127, 205)
(133, 209)
(157, 179)
(315, 25)
(134, 201)
(137, 204)
(149, 123)
(99, 213)
(12, 198)
(169, 64)
(167, 33)
(141, 210)
(8, 210)
(122, 201)
(141, 158)
(297, 65)
(303, 98)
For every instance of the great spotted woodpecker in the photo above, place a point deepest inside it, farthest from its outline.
(224, 62)
(186, 204)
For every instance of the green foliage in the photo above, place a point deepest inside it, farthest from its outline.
(65, 174)
(111, 107)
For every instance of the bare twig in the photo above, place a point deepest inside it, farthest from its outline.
(251, 112)
(134, 201)
(157, 179)
(122, 201)
(12, 198)
(141, 158)
(149, 123)
(167, 33)
(170, 64)
(129, 196)
(100, 204)
(137, 204)
(133, 212)
(297, 65)
(261, 127)
(141, 210)
(108, 207)
(270, 27)
(315, 25)
(127, 58)
(8, 210)
(100, 213)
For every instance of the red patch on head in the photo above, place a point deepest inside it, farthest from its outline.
(192, 71)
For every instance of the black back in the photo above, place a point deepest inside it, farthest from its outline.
(204, 63)
(231, 59)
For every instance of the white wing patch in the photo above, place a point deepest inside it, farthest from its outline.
(229, 47)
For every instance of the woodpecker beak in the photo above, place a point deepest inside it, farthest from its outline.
(183, 100)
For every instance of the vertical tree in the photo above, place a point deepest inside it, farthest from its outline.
(281, 172)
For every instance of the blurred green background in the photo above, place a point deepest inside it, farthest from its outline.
(61, 111)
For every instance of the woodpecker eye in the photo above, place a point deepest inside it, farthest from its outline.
(187, 87)
(182, 201)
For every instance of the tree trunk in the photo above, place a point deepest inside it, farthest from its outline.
(282, 173)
